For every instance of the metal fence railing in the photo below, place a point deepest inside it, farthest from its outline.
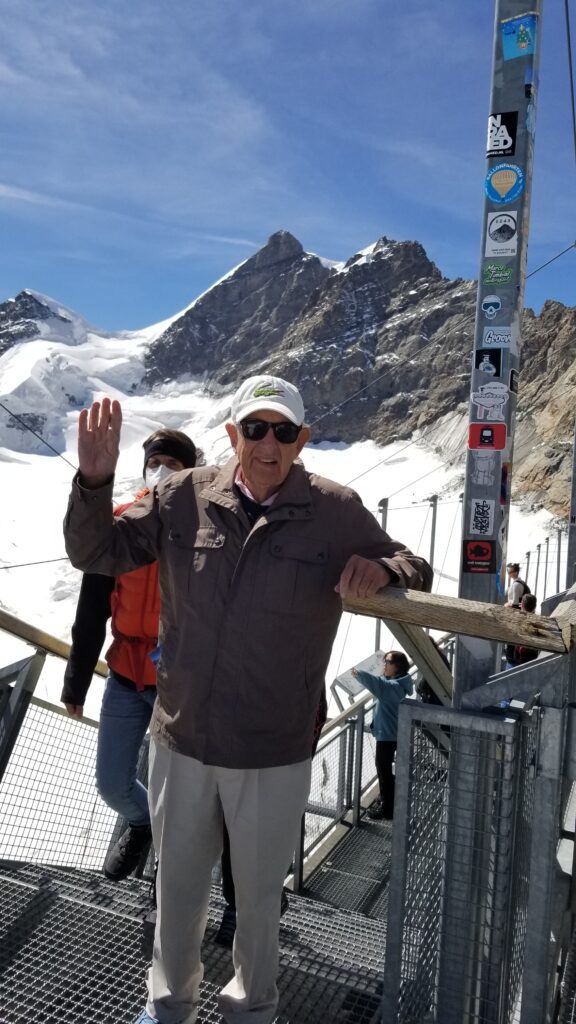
(342, 770)
(480, 801)
(51, 813)
(461, 850)
(476, 903)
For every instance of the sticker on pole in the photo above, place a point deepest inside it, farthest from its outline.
(482, 517)
(485, 464)
(504, 183)
(502, 129)
(502, 234)
(491, 305)
(490, 399)
(519, 35)
(488, 362)
(478, 556)
(497, 337)
(494, 273)
(487, 435)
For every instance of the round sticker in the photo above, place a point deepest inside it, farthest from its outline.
(504, 183)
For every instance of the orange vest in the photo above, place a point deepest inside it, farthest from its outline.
(135, 605)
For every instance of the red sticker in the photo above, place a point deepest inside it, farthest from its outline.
(487, 435)
(478, 556)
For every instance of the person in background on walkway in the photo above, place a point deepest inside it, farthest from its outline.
(133, 601)
(518, 654)
(389, 689)
(516, 587)
(255, 559)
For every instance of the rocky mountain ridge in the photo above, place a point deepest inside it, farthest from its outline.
(380, 346)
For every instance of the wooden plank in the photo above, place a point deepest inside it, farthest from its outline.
(424, 654)
(472, 618)
(43, 641)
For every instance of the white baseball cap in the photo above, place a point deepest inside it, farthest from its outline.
(259, 393)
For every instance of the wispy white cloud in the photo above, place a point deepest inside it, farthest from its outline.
(16, 196)
(127, 108)
(187, 131)
(13, 195)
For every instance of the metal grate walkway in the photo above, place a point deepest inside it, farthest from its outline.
(73, 947)
(355, 876)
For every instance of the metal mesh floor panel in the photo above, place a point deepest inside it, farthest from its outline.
(73, 949)
(356, 875)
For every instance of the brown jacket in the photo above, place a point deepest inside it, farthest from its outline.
(248, 615)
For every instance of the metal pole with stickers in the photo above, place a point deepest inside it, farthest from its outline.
(497, 339)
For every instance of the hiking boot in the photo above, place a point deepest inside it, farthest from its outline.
(380, 811)
(145, 1018)
(376, 811)
(225, 934)
(126, 853)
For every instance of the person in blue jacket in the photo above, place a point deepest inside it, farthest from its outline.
(390, 688)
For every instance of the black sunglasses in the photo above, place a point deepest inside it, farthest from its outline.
(285, 432)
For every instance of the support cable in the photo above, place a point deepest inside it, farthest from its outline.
(44, 561)
(423, 528)
(440, 574)
(570, 72)
(548, 262)
(344, 643)
(39, 436)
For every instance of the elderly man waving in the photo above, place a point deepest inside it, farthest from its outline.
(254, 558)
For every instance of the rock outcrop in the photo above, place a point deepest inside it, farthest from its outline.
(380, 346)
(18, 319)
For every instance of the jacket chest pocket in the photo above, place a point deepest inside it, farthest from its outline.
(296, 574)
(196, 560)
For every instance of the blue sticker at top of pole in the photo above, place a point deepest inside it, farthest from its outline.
(504, 183)
(519, 35)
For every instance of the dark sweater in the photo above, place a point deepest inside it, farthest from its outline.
(88, 636)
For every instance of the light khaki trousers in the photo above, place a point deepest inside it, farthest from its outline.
(263, 809)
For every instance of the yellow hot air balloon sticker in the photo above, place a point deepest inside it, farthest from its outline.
(504, 183)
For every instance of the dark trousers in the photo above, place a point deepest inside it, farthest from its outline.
(385, 750)
(228, 890)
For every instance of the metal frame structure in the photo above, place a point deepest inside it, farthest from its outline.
(480, 797)
(49, 808)
(479, 912)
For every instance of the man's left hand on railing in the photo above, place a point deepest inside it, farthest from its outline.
(362, 577)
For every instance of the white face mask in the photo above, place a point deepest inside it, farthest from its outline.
(155, 476)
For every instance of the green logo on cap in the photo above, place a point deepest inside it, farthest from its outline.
(267, 391)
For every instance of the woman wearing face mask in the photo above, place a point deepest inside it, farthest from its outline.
(133, 602)
(389, 688)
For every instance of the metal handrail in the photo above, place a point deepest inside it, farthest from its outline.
(41, 640)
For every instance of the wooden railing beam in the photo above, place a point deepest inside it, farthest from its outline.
(472, 618)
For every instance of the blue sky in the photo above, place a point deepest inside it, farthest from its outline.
(145, 149)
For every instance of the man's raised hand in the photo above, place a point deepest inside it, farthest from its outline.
(99, 442)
